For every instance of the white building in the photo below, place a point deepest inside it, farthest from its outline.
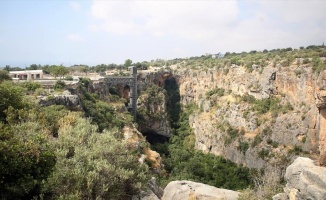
(26, 75)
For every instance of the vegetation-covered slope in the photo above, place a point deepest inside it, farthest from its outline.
(59, 154)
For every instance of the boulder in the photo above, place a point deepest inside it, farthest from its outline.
(179, 190)
(305, 181)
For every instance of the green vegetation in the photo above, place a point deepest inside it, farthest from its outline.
(59, 85)
(243, 146)
(266, 185)
(297, 149)
(153, 96)
(128, 63)
(26, 159)
(60, 71)
(31, 86)
(10, 96)
(263, 153)
(182, 162)
(101, 113)
(218, 91)
(318, 65)
(257, 140)
(100, 166)
(53, 153)
(173, 101)
(69, 78)
(262, 106)
(4, 76)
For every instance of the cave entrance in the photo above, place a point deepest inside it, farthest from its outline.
(153, 138)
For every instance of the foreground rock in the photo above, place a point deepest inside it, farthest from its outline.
(72, 102)
(305, 180)
(179, 190)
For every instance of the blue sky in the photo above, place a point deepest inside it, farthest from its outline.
(95, 32)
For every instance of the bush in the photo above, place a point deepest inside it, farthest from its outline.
(257, 140)
(243, 147)
(10, 96)
(31, 86)
(263, 153)
(25, 160)
(218, 91)
(99, 167)
(69, 78)
(59, 85)
(318, 65)
(266, 186)
(4, 76)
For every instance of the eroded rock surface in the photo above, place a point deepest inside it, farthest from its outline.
(72, 102)
(305, 181)
(184, 190)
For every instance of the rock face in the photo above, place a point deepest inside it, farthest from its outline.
(72, 102)
(305, 181)
(262, 139)
(179, 190)
(152, 112)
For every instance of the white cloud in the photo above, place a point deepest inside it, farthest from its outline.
(217, 25)
(74, 37)
(194, 19)
(75, 5)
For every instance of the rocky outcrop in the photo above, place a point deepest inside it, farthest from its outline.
(184, 190)
(72, 102)
(305, 181)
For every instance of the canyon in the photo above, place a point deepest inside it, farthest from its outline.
(272, 138)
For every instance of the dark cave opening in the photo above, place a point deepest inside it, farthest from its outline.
(153, 138)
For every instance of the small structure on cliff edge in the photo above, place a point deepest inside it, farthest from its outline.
(131, 81)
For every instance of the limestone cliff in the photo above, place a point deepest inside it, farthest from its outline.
(234, 126)
(152, 115)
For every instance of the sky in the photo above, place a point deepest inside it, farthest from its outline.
(93, 32)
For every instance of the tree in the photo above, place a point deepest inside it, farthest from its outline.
(4, 75)
(84, 69)
(59, 71)
(128, 63)
(7, 68)
(10, 95)
(33, 67)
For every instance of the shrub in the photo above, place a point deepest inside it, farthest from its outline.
(318, 65)
(31, 86)
(232, 132)
(257, 140)
(59, 85)
(243, 147)
(266, 185)
(99, 167)
(25, 160)
(69, 78)
(218, 91)
(296, 150)
(4, 76)
(10, 96)
(263, 153)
